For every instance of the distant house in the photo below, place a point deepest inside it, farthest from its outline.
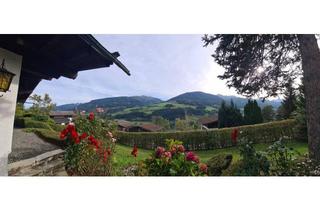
(209, 122)
(146, 127)
(100, 110)
(123, 125)
(62, 116)
(127, 126)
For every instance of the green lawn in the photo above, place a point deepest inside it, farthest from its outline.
(124, 158)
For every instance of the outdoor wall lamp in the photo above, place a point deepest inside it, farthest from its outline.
(5, 78)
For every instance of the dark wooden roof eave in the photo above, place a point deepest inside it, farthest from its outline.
(50, 56)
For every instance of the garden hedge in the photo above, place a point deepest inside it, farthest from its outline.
(48, 135)
(27, 122)
(210, 139)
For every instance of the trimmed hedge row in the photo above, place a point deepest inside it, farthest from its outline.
(28, 122)
(47, 135)
(210, 139)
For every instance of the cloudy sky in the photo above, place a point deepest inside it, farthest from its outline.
(162, 66)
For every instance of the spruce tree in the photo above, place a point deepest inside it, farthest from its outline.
(229, 115)
(300, 115)
(268, 113)
(288, 105)
(222, 115)
(252, 113)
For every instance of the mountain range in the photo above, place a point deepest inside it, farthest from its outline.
(142, 108)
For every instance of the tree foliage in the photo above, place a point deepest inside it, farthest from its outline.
(257, 64)
(252, 113)
(300, 115)
(41, 105)
(268, 113)
(164, 123)
(288, 105)
(186, 124)
(229, 115)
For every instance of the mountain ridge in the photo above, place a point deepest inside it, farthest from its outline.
(196, 98)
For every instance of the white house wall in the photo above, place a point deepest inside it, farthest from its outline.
(7, 107)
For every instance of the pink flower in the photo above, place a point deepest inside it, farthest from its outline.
(190, 156)
(203, 167)
(173, 150)
(110, 134)
(167, 154)
(159, 151)
(181, 148)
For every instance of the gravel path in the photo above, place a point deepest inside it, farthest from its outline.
(27, 145)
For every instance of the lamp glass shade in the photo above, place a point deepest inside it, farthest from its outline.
(5, 79)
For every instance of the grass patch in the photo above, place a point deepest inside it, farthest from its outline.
(123, 153)
(123, 158)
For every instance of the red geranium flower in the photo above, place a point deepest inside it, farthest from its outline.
(70, 127)
(234, 135)
(63, 134)
(83, 136)
(134, 151)
(94, 142)
(91, 116)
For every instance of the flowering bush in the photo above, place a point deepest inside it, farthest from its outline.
(282, 159)
(174, 161)
(90, 147)
(252, 163)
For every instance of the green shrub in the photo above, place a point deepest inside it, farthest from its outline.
(282, 159)
(19, 122)
(174, 161)
(42, 118)
(27, 122)
(253, 163)
(218, 163)
(232, 169)
(56, 127)
(30, 123)
(210, 139)
(47, 135)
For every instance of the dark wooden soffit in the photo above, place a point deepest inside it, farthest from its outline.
(54, 55)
